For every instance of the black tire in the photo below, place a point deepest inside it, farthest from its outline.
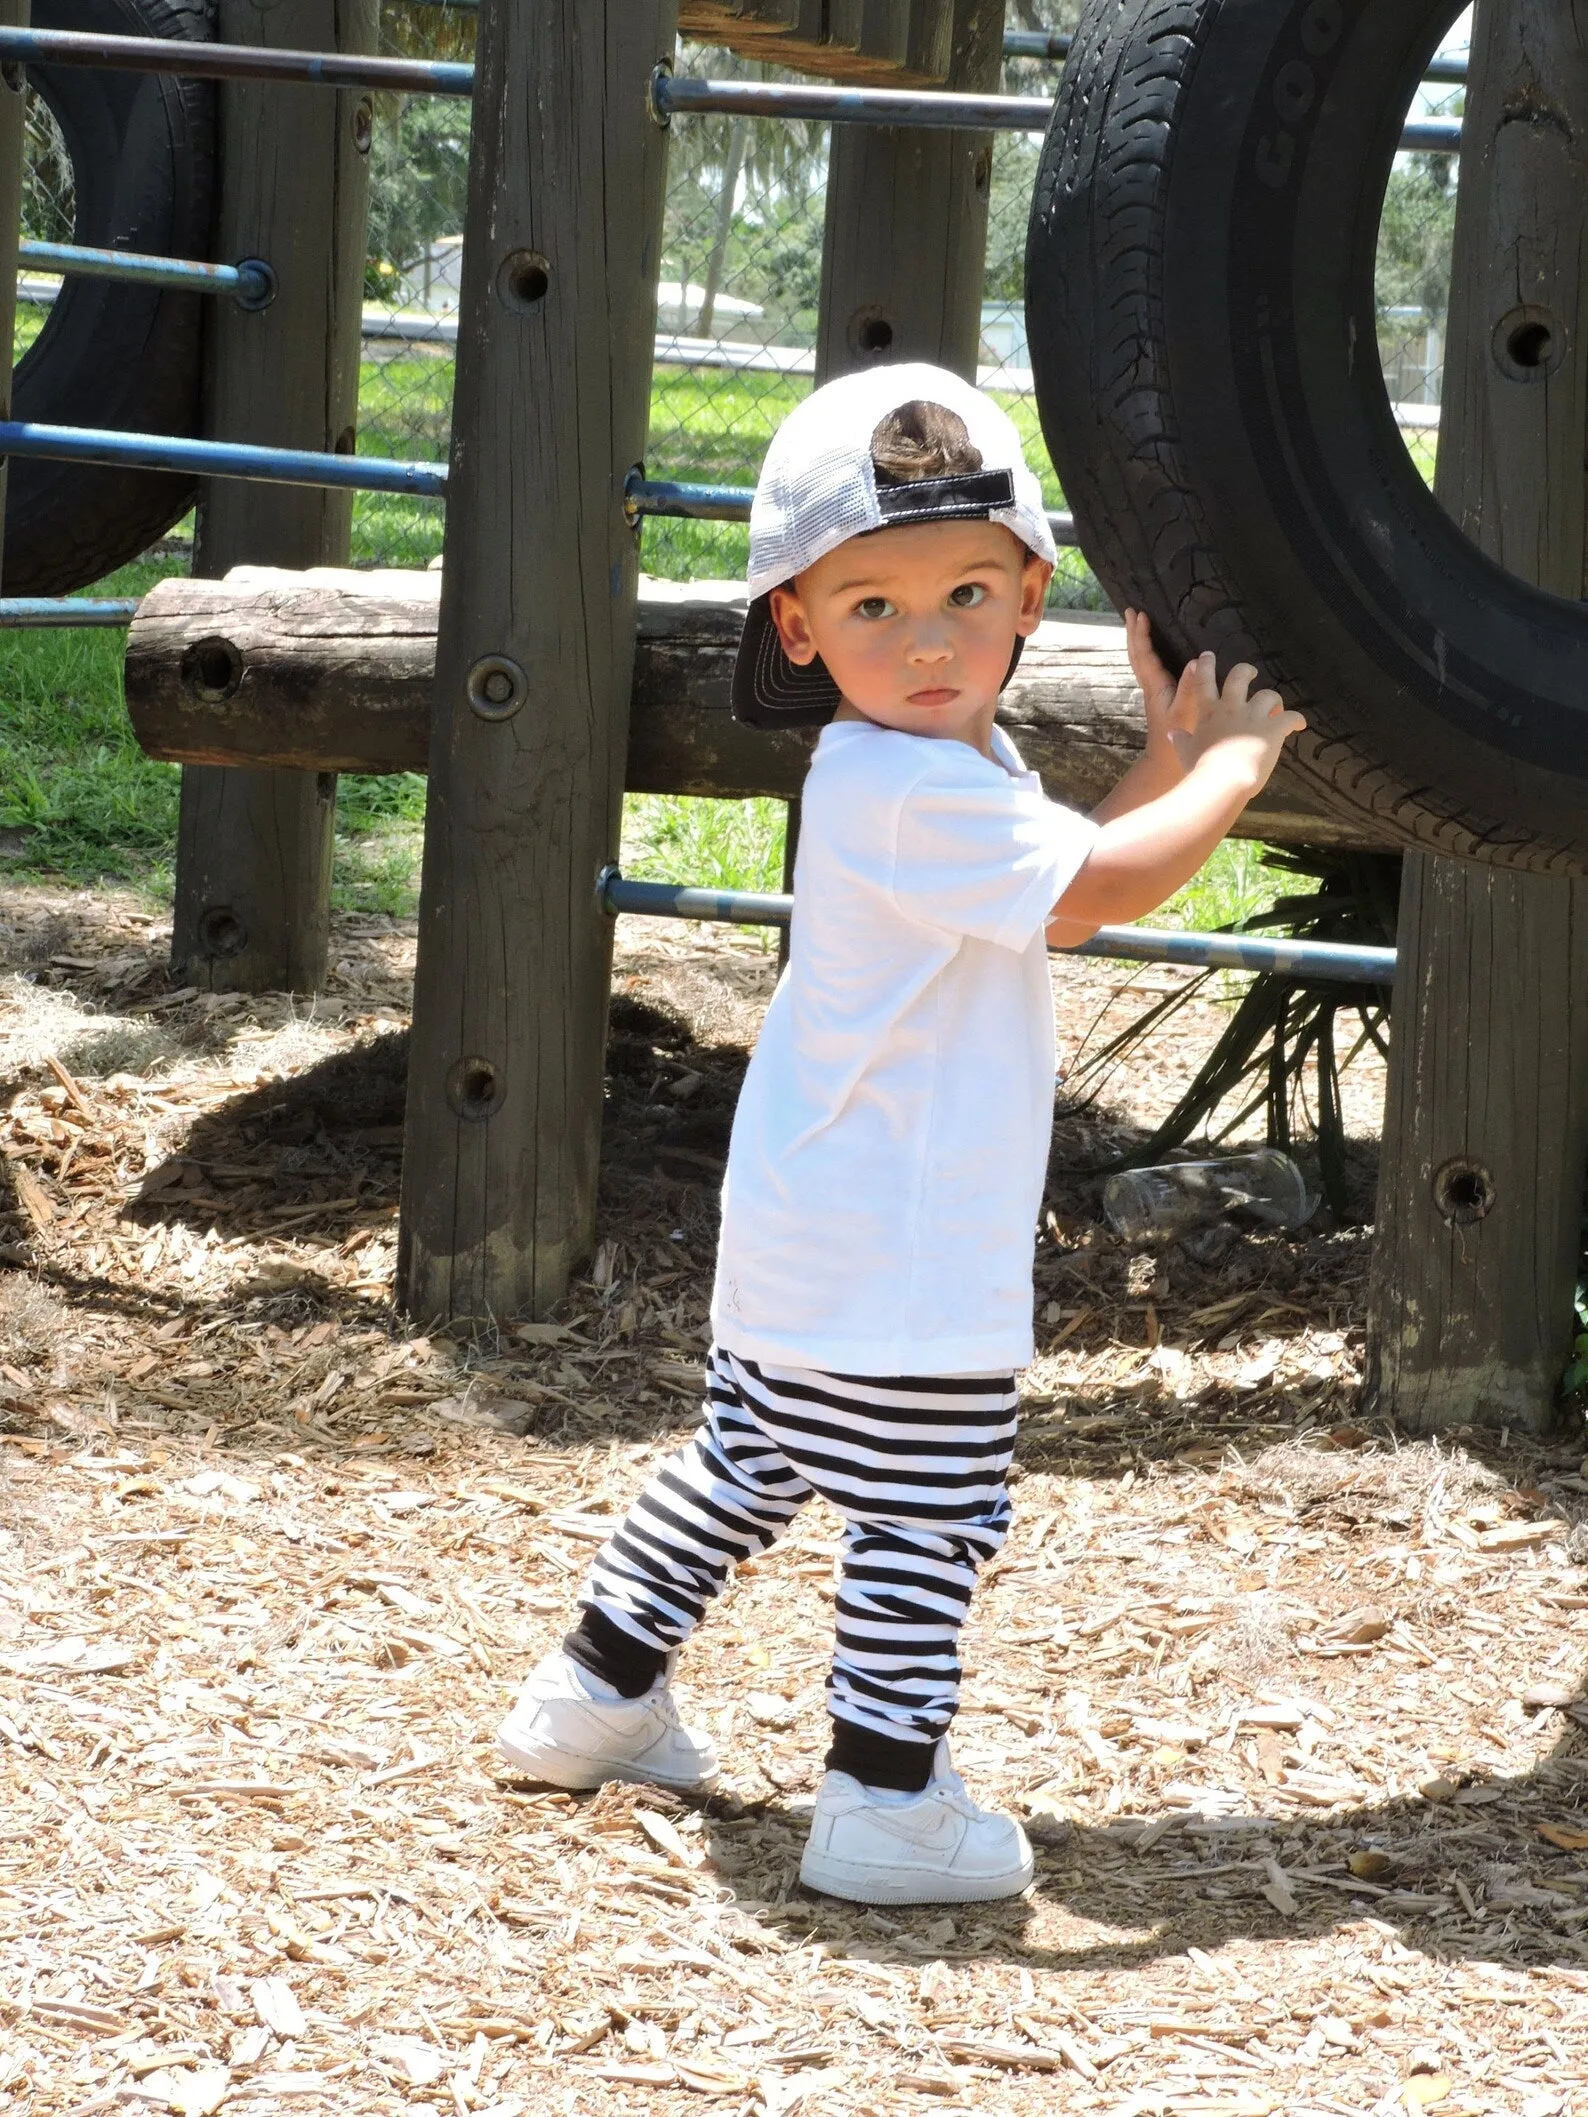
(1200, 296)
(142, 149)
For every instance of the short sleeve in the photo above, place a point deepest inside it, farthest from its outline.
(984, 854)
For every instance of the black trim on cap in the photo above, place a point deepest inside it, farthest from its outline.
(770, 691)
(969, 497)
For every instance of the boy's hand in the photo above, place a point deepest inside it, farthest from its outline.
(1170, 708)
(1239, 728)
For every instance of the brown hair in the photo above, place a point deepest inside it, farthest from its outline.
(922, 440)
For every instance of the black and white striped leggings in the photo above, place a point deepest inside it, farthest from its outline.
(916, 1466)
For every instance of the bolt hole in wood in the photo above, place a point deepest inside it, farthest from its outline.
(523, 280)
(212, 669)
(474, 1089)
(1529, 343)
(872, 333)
(364, 125)
(497, 687)
(1463, 1191)
(221, 932)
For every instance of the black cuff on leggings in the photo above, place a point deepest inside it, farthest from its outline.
(615, 1656)
(880, 1760)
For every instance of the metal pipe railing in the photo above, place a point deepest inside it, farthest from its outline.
(235, 62)
(928, 109)
(251, 283)
(731, 503)
(24, 613)
(925, 109)
(221, 459)
(1330, 961)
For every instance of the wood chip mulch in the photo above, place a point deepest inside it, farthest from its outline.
(1293, 1711)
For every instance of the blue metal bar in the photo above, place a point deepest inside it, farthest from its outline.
(235, 62)
(448, 77)
(24, 613)
(925, 109)
(1037, 43)
(696, 503)
(1326, 960)
(221, 459)
(252, 282)
(731, 503)
(1431, 136)
(665, 900)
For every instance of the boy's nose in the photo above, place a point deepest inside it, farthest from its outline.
(930, 646)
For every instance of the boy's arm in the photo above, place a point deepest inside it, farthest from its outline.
(1145, 853)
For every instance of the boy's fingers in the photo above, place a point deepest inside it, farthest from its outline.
(1198, 682)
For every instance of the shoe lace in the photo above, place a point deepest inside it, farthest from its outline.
(951, 1788)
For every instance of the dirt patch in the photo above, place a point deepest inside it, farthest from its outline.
(1293, 1709)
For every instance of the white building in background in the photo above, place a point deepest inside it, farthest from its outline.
(678, 310)
(1003, 335)
(435, 284)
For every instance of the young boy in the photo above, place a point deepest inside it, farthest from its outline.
(874, 1279)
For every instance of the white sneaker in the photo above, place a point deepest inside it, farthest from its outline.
(937, 1847)
(559, 1732)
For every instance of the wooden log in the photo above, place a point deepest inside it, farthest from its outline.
(332, 670)
(253, 876)
(535, 654)
(1486, 1124)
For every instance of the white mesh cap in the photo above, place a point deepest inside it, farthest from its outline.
(818, 488)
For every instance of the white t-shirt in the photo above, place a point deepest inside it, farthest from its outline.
(888, 1154)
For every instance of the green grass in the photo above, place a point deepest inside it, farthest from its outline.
(1233, 885)
(71, 775)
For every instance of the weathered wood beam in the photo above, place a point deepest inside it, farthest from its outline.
(253, 866)
(331, 670)
(1486, 1119)
(534, 657)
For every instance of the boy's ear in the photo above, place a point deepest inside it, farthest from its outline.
(1034, 578)
(793, 626)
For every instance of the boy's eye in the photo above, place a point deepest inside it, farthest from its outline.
(875, 606)
(967, 595)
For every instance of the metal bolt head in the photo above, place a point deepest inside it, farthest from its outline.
(497, 687)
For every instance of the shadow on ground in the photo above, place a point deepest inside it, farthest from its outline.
(1176, 1882)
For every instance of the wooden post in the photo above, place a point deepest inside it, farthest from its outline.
(253, 875)
(535, 654)
(904, 251)
(1486, 1123)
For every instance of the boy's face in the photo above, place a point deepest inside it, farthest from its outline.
(916, 624)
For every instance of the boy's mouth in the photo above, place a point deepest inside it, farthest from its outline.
(941, 696)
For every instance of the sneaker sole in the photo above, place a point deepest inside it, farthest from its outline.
(864, 1885)
(578, 1774)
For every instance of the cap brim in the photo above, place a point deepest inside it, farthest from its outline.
(770, 691)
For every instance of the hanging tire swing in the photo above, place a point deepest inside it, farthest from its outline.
(1200, 289)
(140, 150)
